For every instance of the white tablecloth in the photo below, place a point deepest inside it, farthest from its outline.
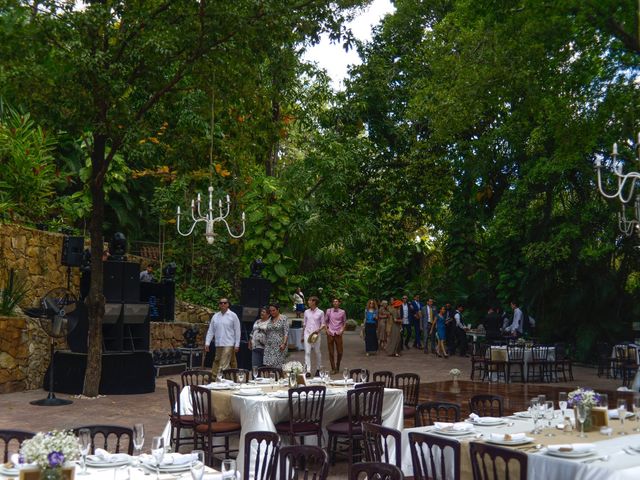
(528, 356)
(295, 339)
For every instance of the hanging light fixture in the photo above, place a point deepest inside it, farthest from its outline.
(208, 218)
(625, 191)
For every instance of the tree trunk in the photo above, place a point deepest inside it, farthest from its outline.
(95, 300)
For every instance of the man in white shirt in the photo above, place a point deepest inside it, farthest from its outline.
(313, 320)
(225, 328)
(461, 331)
(428, 317)
(515, 329)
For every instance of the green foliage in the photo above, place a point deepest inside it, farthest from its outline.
(12, 293)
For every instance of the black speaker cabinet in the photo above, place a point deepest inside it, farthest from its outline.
(72, 248)
(121, 282)
(255, 292)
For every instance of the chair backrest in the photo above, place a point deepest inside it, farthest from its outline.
(112, 438)
(232, 374)
(306, 405)
(174, 397)
(481, 350)
(383, 376)
(307, 462)
(264, 372)
(354, 373)
(364, 405)
(539, 353)
(265, 463)
(409, 383)
(487, 405)
(515, 353)
(375, 471)
(202, 406)
(370, 384)
(12, 440)
(378, 442)
(196, 376)
(429, 412)
(484, 464)
(426, 459)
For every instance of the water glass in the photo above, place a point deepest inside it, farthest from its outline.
(84, 439)
(197, 465)
(562, 403)
(534, 409)
(363, 376)
(622, 412)
(293, 380)
(138, 437)
(272, 377)
(323, 374)
(581, 411)
(345, 375)
(157, 450)
(254, 371)
(241, 377)
(228, 469)
(219, 377)
(549, 413)
(636, 411)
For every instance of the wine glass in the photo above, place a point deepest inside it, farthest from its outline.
(293, 380)
(228, 468)
(323, 374)
(241, 377)
(636, 410)
(363, 376)
(562, 403)
(535, 411)
(272, 377)
(84, 438)
(138, 437)
(549, 413)
(622, 412)
(157, 449)
(254, 371)
(345, 375)
(197, 465)
(219, 377)
(581, 411)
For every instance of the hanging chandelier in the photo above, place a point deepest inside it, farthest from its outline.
(209, 218)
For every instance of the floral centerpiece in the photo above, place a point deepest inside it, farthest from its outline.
(50, 451)
(455, 373)
(586, 397)
(293, 367)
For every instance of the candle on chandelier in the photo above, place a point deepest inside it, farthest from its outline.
(178, 210)
(615, 149)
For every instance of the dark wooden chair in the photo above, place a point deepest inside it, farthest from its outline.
(196, 376)
(479, 361)
(429, 412)
(562, 363)
(177, 420)
(515, 355)
(207, 427)
(426, 459)
(305, 462)
(603, 352)
(370, 384)
(484, 462)
(538, 368)
(625, 363)
(112, 438)
(306, 408)
(496, 363)
(409, 383)
(375, 471)
(232, 374)
(363, 405)
(12, 440)
(354, 373)
(264, 372)
(378, 441)
(384, 376)
(487, 405)
(265, 462)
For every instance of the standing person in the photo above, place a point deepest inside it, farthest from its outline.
(504, 319)
(225, 328)
(406, 320)
(415, 308)
(461, 331)
(370, 328)
(335, 319)
(385, 319)
(258, 337)
(147, 275)
(298, 302)
(428, 317)
(313, 321)
(275, 350)
(394, 344)
(450, 328)
(515, 329)
(438, 331)
(492, 325)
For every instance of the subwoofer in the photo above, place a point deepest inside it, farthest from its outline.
(72, 248)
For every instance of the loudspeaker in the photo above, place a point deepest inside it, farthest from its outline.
(255, 292)
(121, 282)
(135, 313)
(130, 282)
(72, 248)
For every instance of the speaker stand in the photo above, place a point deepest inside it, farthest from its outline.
(51, 400)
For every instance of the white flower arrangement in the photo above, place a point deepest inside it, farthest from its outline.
(455, 372)
(293, 367)
(50, 449)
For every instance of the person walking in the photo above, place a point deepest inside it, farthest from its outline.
(461, 332)
(415, 312)
(428, 317)
(406, 320)
(225, 329)
(385, 319)
(313, 322)
(335, 320)
(298, 302)
(438, 328)
(258, 337)
(275, 350)
(394, 344)
(370, 328)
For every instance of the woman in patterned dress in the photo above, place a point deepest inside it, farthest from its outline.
(275, 350)
(258, 337)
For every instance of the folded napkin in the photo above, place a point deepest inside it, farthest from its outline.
(250, 391)
(219, 386)
(109, 457)
(613, 413)
(478, 419)
(507, 437)
(458, 426)
(572, 447)
(17, 461)
(170, 458)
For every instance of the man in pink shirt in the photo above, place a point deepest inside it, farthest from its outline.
(335, 319)
(313, 321)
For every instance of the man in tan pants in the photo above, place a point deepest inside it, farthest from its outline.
(335, 319)
(225, 328)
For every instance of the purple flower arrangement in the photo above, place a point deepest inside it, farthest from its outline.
(584, 396)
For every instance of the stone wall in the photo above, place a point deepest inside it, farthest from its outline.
(190, 313)
(169, 334)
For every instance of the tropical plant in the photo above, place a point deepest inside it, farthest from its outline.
(12, 293)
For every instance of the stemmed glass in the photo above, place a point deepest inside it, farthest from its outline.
(157, 449)
(241, 377)
(254, 371)
(345, 376)
(219, 377)
(549, 413)
(562, 403)
(622, 412)
(535, 411)
(84, 438)
(138, 438)
(197, 465)
(363, 376)
(581, 411)
(323, 374)
(636, 410)
(228, 468)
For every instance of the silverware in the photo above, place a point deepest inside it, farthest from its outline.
(604, 458)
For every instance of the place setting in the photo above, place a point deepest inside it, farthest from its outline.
(456, 429)
(485, 421)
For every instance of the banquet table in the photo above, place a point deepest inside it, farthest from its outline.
(609, 462)
(501, 353)
(263, 412)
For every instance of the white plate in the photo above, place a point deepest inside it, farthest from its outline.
(249, 392)
(485, 423)
(150, 465)
(341, 382)
(453, 433)
(9, 471)
(97, 462)
(520, 441)
(572, 454)
(524, 414)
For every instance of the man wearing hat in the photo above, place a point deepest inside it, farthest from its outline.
(313, 322)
